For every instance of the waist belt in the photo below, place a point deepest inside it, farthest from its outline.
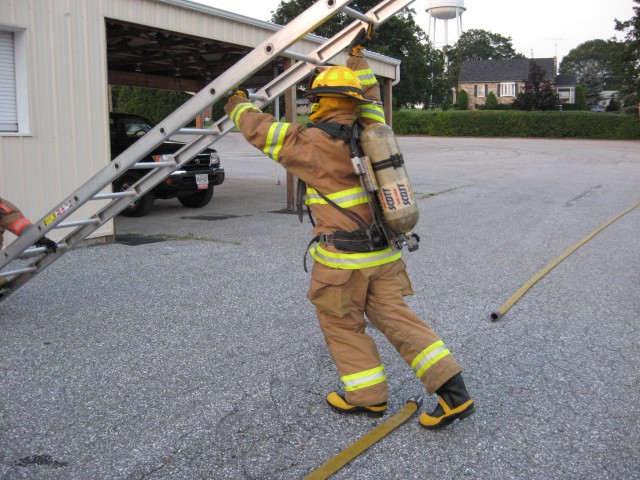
(358, 241)
(361, 240)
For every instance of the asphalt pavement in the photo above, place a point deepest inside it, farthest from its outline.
(188, 350)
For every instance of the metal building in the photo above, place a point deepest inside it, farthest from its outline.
(58, 60)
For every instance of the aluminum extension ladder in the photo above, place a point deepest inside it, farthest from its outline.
(38, 258)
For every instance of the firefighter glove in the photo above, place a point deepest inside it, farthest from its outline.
(48, 244)
(239, 93)
(360, 41)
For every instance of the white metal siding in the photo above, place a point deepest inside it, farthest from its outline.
(8, 109)
(68, 140)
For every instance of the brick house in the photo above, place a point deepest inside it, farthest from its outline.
(505, 78)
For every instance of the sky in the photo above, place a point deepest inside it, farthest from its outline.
(547, 28)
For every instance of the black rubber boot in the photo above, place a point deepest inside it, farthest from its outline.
(454, 402)
(339, 404)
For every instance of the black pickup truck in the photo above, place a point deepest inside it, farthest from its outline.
(192, 183)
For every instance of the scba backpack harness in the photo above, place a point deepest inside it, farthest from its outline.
(380, 166)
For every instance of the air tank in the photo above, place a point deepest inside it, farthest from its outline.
(399, 206)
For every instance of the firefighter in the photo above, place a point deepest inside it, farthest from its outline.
(12, 219)
(345, 285)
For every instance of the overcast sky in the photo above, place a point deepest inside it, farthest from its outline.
(539, 25)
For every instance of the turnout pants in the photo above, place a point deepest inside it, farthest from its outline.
(343, 297)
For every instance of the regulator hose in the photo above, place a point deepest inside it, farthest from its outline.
(511, 301)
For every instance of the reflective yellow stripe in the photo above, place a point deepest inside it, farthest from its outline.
(359, 380)
(239, 109)
(344, 198)
(373, 112)
(275, 139)
(366, 77)
(428, 357)
(354, 261)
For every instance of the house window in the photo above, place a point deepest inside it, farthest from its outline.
(564, 93)
(479, 90)
(508, 89)
(14, 111)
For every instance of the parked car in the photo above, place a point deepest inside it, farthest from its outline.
(192, 184)
(598, 108)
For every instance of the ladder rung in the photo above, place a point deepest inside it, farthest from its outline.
(214, 130)
(30, 252)
(360, 16)
(17, 272)
(148, 165)
(107, 196)
(255, 96)
(78, 223)
(302, 58)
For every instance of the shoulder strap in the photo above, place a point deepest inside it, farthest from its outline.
(300, 193)
(337, 130)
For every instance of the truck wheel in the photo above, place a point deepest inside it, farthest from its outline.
(197, 200)
(140, 207)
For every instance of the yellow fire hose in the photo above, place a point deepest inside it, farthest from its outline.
(355, 449)
(511, 301)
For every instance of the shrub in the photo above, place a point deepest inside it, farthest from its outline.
(516, 124)
(581, 98)
(491, 103)
(631, 100)
(613, 106)
(463, 100)
(566, 107)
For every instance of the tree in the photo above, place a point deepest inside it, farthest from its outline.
(400, 37)
(600, 59)
(478, 44)
(153, 104)
(538, 94)
(631, 52)
(593, 85)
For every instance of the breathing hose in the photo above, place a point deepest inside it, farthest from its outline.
(511, 301)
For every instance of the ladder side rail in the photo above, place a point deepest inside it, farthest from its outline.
(273, 46)
(120, 201)
(324, 53)
(142, 186)
(321, 55)
(32, 270)
(292, 76)
(220, 87)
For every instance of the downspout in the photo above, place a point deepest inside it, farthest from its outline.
(397, 80)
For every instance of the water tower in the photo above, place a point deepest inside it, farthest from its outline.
(444, 10)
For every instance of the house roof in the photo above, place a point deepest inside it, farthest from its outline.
(512, 70)
(566, 81)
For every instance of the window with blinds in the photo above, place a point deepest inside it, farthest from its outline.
(8, 97)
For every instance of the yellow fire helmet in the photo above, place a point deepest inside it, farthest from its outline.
(336, 82)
